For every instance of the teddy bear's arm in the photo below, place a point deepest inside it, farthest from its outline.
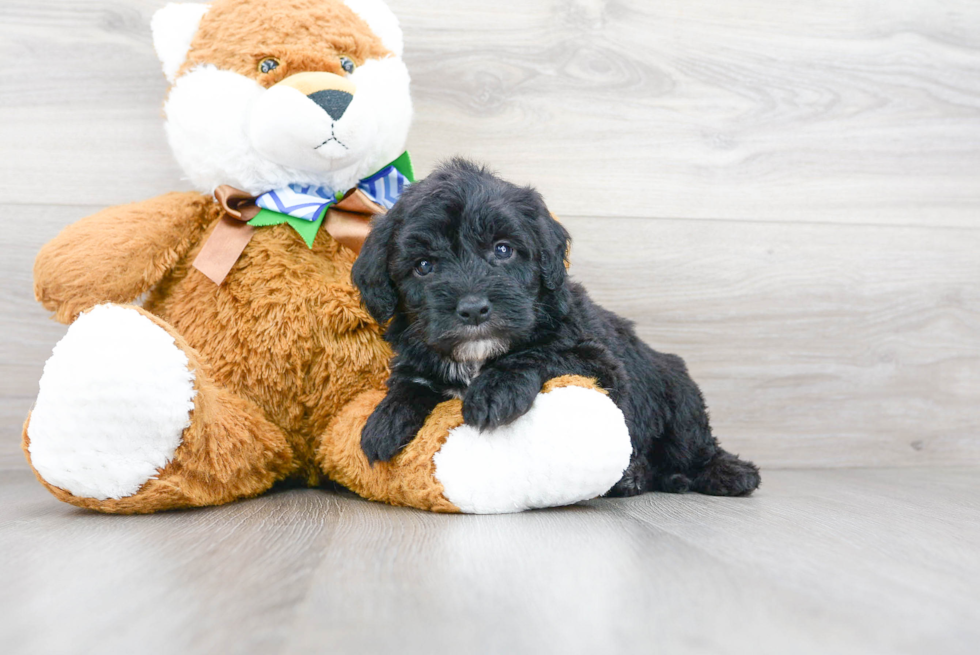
(118, 253)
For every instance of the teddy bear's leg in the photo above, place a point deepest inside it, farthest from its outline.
(572, 445)
(128, 421)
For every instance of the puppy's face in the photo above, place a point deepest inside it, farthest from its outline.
(467, 264)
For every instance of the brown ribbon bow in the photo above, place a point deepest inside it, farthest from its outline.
(347, 221)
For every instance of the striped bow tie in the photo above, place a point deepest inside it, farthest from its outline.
(305, 209)
(309, 203)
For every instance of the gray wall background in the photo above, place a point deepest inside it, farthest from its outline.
(786, 194)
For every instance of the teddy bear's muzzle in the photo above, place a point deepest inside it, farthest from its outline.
(330, 92)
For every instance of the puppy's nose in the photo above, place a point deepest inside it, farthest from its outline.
(473, 310)
(332, 101)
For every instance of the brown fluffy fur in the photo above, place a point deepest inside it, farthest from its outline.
(230, 451)
(278, 349)
(119, 253)
(237, 36)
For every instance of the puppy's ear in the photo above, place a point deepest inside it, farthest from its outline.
(370, 271)
(554, 249)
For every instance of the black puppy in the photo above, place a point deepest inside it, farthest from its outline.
(470, 270)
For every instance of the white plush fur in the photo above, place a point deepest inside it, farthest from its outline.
(225, 128)
(382, 22)
(173, 29)
(115, 398)
(573, 445)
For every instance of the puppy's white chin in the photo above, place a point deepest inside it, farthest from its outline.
(479, 350)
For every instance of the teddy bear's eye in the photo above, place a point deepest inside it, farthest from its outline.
(347, 64)
(268, 65)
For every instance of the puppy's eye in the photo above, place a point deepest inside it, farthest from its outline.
(423, 267)
(347, 64)
(503, 250)
(268, 65)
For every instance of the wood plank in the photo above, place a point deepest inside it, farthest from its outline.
(862, 112)
(866, 561)
(755, 110)
(28, 333)
(815, 345)
(81, 113)
(179, 566)
(13, 412)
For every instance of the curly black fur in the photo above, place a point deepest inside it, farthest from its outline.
(470, 271)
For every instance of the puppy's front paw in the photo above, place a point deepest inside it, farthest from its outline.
(497, 398)
(382, 436)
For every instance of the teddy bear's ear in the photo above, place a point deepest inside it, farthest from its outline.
(382, 22)
(174, 28)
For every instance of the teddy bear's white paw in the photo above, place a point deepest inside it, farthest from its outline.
(114, 400)
(573, 445)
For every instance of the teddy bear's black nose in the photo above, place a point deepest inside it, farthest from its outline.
(333, 102)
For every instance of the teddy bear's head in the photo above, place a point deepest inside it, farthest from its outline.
(268, 93)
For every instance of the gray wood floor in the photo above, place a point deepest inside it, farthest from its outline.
(832, 561)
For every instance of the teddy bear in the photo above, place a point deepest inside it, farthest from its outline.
(216, 345)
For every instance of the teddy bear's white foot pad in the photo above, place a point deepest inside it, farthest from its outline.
(114, 400)
(573, 445)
